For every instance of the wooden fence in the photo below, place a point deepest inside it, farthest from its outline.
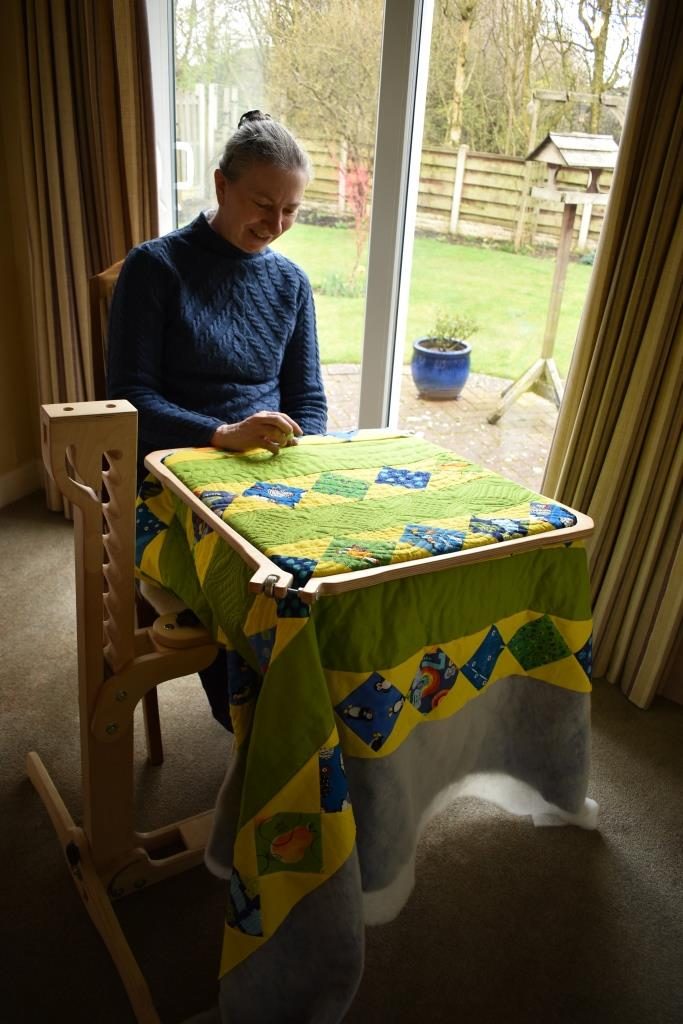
(474, 195)
(464, 193)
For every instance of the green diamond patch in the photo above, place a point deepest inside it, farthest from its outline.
(357, 554)
(344, 486)
(538, 643)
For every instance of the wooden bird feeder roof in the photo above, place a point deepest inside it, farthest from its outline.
(577, 149)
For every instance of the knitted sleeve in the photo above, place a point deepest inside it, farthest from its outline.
(302, 395)
(135, 355)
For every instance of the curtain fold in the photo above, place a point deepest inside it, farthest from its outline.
(88, 164)
(617, 451)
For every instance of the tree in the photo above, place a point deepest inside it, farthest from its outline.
(449, 70)
(207, 38)
(602, 35)
(482, 71)
(464, 13)
(321, 62)
(488, 56)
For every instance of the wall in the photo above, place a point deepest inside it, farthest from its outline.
(19, 435)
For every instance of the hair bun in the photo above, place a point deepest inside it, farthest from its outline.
(253, 115)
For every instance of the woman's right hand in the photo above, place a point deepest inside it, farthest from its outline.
(269, 430)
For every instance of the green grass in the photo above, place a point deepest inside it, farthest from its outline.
(507, 293)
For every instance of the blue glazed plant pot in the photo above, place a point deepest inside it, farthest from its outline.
(440, 373)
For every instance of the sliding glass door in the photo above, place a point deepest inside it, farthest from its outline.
(398, 237)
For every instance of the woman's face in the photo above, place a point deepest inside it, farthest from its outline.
(259, 207)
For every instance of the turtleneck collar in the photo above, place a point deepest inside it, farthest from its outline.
(210, 239)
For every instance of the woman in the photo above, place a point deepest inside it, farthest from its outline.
(212, 335)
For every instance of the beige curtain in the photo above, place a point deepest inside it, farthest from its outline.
(617, 452)
(88, 167)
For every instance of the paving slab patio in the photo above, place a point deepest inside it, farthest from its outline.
(516, 447)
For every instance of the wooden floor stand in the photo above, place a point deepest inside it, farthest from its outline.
(118, 665)
(543, 377)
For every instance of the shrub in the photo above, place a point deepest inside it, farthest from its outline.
(455, 326)
(341, 286)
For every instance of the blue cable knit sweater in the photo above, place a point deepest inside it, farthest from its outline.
(201, 333)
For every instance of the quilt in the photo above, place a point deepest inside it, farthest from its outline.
(353, 716)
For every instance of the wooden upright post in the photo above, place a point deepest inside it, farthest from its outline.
(543, 375)
(458, 183)
(559, 277)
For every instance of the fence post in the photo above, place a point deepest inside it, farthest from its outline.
(200, 93)
(343, 157)
(457, 189)
(212, 123)
(523, 206)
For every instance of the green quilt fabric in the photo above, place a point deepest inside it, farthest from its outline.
(329, 506)
(354, 674)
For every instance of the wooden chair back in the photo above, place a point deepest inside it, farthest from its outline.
(101, 288)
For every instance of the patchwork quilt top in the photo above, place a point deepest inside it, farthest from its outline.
(354, 674)
(327, 506)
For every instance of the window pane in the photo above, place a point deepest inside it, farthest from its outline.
(485, 263)
(315, 67)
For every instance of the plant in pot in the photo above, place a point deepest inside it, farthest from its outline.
(440, 363)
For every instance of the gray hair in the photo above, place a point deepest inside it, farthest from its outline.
(260, 139)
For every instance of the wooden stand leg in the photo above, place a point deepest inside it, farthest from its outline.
(145, 616)
(543, 376)
(150, 712)
(92, 891)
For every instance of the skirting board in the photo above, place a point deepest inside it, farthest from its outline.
(19, 482)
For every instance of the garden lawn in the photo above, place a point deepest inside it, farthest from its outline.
(507, 293)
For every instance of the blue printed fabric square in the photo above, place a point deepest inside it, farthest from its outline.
(412, 478)
(479, 668)
(334, 787)
(372, 710)
(280, 494)
(244, 906)
(585, 657)
(217, 501)
(291, 606)
(242, 684)
(434, 539)
(262, 645)
(200, 528)
(147, 526)
(552, 513)
(499, 529)
(149, 488)
(433, 681)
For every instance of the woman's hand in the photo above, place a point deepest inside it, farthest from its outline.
(269, 430)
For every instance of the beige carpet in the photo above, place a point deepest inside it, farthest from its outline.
(507, 923)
